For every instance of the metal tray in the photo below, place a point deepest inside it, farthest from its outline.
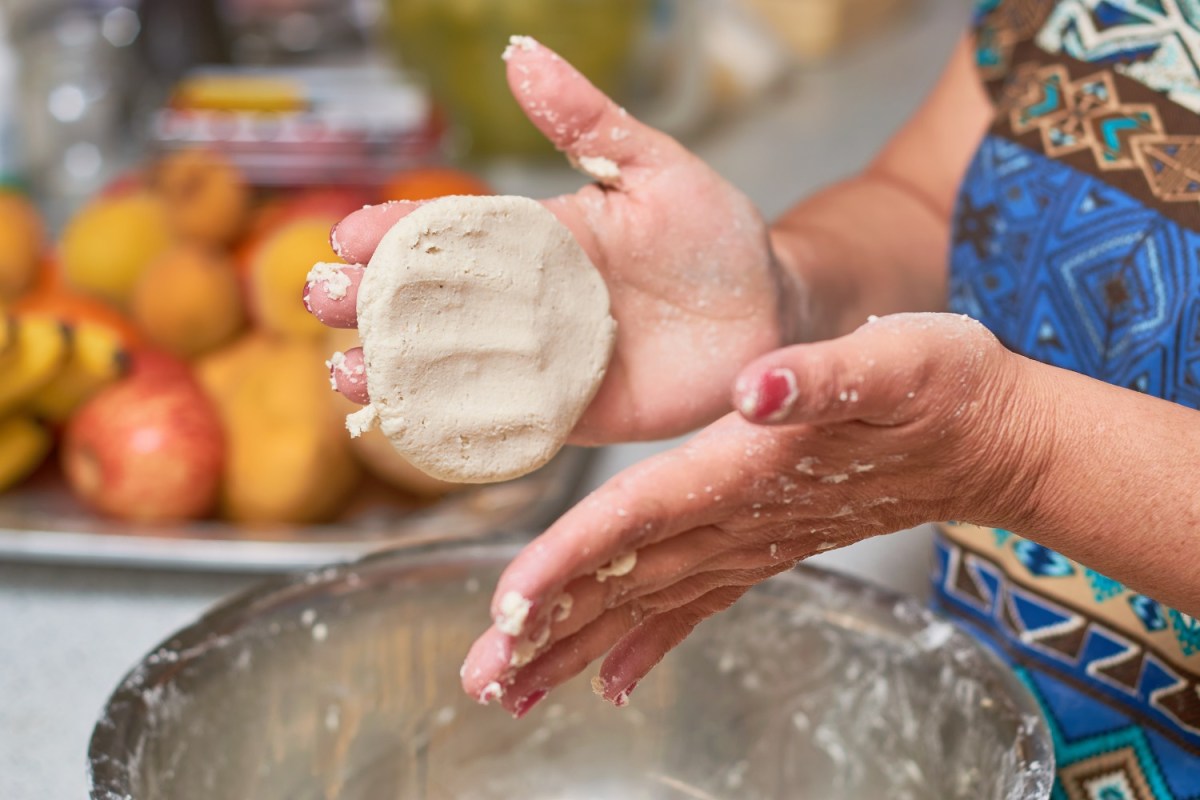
(45, 523)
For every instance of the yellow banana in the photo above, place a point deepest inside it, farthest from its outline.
(96, 359)
(24, 444)
(38, 354)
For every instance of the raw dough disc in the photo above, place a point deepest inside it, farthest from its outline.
(486, 332)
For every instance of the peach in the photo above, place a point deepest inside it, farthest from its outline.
(22, 240)
(206, 197)
(188, 301)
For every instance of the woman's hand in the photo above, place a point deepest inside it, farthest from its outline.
(912, 418)
(695, 289)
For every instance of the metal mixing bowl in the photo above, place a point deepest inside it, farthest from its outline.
(342, 684)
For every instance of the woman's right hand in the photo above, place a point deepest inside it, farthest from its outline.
(695, 288)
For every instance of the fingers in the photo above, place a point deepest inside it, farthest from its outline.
(355, 238)
(596, 134)
(331, 294)
(872, 374)
(571, 656)
(632, 658)
(693, 486)
(348, 374)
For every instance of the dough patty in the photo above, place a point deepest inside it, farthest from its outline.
(486, 332)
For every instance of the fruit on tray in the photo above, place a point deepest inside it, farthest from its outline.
(164, 346)
(206, 199)
(24, 444)
(188, 300)
(99, 342)
(109, 244)
(97, 357)
(39, 347)
(148, 448)
(289, 460)
(22, 239)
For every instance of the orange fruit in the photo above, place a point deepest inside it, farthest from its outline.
(428, 183)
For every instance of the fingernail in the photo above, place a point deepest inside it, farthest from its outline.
(304, 297)
(622, 699)
(773, 398)
(526, 704)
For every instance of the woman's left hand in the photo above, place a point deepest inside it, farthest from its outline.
(909, 419)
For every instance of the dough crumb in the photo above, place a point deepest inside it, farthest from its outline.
(602, 169)
(562, 607)
(514, 609)
(618, 567)
(522, 654)
(336, 282)
(335, 364)
(362, 420)
(493, 691)
(524, 43)
(599, 685)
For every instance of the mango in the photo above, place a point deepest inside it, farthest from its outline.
(109, 244)
(287, 461)
(278, 271)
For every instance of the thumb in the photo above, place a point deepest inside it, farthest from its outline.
(873, 374)
(596, 134)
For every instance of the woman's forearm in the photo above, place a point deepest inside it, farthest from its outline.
(859, 248)
(1118, 482)
(878, 243)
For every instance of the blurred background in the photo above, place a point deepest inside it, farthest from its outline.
(160, 159)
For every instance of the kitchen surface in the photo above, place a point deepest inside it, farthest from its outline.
(70, 630)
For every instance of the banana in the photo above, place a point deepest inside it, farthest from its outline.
(96, 359)
(24, 444)
(37, 355)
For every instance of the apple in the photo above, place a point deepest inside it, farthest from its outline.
(148, 448)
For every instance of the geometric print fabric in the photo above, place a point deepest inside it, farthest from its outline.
(1076, 240)
(1071, 271)
(1112, 704)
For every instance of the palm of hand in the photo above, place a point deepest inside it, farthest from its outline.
(694, 291)
(687, 260)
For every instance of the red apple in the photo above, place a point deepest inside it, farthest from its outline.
(157, 365)
(148, 448)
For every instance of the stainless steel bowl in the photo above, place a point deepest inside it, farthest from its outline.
(342, 684)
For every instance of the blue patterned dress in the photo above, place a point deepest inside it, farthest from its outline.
(1077, 242)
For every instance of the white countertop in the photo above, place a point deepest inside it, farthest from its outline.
(68, 634)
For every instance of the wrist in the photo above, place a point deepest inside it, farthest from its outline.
(799, 256)
(1016, 459)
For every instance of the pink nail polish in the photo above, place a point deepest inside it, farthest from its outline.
(526, 704)
(622, 699)
(773, 398)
